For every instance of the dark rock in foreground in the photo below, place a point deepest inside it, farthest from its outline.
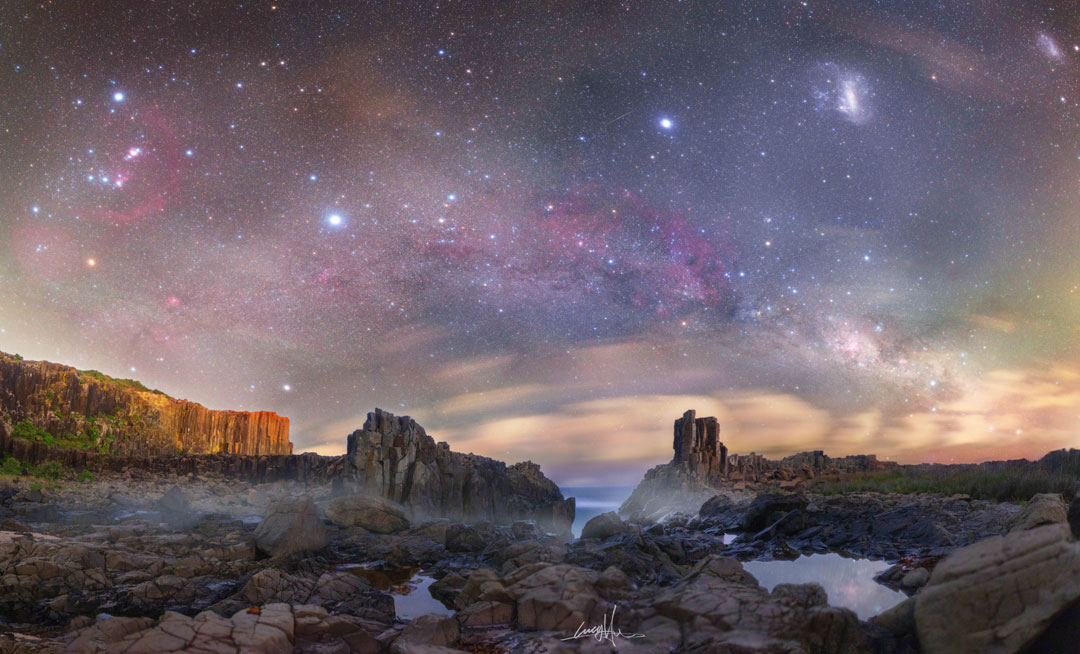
(367, 511)
(769, 507)
(290, 526)
(999, 594)
(603, 525)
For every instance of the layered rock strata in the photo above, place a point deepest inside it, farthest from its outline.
(124, 417)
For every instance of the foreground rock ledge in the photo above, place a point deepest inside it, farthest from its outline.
(1000, 593)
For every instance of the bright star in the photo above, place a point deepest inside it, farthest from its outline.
(666, 123)
(286, 388)
(118, 96)
(335, 220)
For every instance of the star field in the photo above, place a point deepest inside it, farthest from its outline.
(546, 229)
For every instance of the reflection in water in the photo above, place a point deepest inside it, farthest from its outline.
(388, 579)
(417, 600)
(848, 582)
(410, 590)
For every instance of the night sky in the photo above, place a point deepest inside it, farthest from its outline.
(545, 229)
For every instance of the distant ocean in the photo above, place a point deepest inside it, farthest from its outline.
(594, 500)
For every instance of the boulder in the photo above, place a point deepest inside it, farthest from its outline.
(1042, 509)
(430, 629)
(999, 594)
(917, 578)
(486, 614)
(469, 538)
(724, 610)
(787, 524)
(372, 513)
(174, 501)
(603, 525)
(767, 508)
(557, 597)
(290, 526)
(900, 619)
(717, 505)
(446, 589)
(268, 630)
(175, 508)
(336, 591)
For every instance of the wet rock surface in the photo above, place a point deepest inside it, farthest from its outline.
(275, 567)
(999, 594)
(413, 548)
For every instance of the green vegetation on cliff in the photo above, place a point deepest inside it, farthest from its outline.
(50, 470)
(1003, 485)
(89, 410)
(122, 383)
(91, 440)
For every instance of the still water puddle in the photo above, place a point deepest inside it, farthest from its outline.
(410, 589)
(848, 582)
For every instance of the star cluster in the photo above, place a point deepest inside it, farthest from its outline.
(834, 226)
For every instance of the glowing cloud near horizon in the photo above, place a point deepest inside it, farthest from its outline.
(860, 233)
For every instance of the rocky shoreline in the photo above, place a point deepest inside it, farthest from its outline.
(188, 563)
(359, 559)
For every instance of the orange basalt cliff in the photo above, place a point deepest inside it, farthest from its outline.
(124, 417)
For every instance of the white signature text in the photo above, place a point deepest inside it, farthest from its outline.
(604, 631)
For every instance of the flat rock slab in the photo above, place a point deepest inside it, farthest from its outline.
(1000, 593)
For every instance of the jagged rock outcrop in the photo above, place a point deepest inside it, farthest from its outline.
(124, 417)
(702, 463)
(698, 449)
(393, 457)
(700, 453)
